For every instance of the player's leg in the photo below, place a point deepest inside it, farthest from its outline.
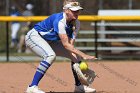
(42, 48)
(14, 30)
(77, 82)
(61, 51)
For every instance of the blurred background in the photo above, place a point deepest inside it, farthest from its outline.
(47, 7)
(108, 40)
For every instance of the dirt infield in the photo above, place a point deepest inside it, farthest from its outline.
(114, 77)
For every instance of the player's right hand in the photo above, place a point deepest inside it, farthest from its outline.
(88, 57)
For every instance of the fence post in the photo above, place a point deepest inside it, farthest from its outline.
(7, 41)
(96, 39)
(7, 30)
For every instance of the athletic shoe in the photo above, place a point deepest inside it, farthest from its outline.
(34, 89)
(83, 88)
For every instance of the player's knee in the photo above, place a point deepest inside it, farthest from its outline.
(50, 58)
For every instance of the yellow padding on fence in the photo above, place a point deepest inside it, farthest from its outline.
(81, 18)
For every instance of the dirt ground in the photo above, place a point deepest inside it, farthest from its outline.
(114, 77)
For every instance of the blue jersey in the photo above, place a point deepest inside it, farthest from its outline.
(54, 25)
(14, 14)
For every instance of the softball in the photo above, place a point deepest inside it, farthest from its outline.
(83, 66)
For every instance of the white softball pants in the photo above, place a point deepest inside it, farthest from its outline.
(48, 50)
(14, 30)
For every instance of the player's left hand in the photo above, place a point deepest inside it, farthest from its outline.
(86, 77)
(80, 75)
(90, 75)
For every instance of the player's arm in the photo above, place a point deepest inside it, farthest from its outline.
(69, 46)
(76, 26)
(66, 43)
(75, 31)
(72, 41)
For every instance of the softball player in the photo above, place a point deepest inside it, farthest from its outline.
(53, 37)
(15, 26)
